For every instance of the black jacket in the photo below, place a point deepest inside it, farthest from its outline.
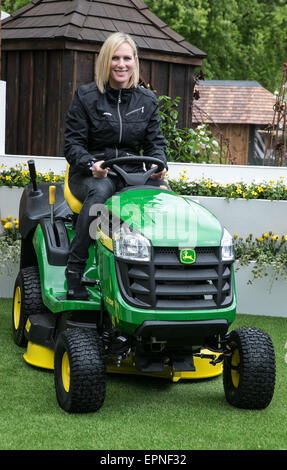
(103, 126)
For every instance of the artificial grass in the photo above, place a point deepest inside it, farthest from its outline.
(139, 412)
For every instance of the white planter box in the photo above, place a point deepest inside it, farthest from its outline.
(9, 201)
(227, 173)
(244, 216)
(220, 173)
(260, 297)
(237, 215)
(7, 279)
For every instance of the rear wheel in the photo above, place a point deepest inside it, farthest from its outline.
(27, 300)
(249, 370)
(79, 370)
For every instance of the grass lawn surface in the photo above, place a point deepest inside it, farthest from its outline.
(139, 413)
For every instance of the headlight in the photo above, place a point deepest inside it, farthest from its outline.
(131, 245)
(227, 247)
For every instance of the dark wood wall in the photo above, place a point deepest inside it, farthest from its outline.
(40, 85)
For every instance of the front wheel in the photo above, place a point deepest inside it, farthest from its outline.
(79, 371)
(249, 369)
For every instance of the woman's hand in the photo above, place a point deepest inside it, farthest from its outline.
(158, 176)
(98, 171)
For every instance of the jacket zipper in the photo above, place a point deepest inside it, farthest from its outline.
(120, 117)
(135, 110)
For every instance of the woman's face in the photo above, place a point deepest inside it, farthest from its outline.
(123, 64)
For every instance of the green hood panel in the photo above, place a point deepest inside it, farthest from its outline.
(167, 219)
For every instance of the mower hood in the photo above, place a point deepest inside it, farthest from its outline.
(167, 219)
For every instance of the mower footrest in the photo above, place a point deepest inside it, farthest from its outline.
(183, 363)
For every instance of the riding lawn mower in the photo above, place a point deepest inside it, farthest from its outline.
(162, 296)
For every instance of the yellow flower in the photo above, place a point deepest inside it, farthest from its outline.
(275, 237)
(235, 236)
(284, 238)
(238, 191)
(260, 239)
(254, 193)
(3, 221)
(8, 225)
(265, 235)
(8, 178)
(9, 218)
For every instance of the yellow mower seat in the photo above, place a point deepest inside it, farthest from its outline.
(74, 203)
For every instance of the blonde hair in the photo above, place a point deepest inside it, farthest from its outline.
(111, 44)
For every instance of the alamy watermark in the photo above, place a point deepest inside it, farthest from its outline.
(158, 224)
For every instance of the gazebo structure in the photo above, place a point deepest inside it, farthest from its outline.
(238, 111)
(50, 47)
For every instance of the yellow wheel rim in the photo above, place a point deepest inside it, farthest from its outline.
(17, 308)
(235, 361)
(66, 371)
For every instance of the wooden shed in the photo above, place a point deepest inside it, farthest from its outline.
(50, 47)
(240, 110)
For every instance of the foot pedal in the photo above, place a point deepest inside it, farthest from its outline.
(89, 281)
(77, 294)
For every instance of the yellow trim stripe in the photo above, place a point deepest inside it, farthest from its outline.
(105, 240)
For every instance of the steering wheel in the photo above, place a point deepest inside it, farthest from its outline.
(134, 179)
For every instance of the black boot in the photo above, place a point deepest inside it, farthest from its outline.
(75, 291)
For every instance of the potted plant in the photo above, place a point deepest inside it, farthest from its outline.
(269, 251)
(261, 274)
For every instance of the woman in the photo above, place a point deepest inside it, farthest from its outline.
(110, 117)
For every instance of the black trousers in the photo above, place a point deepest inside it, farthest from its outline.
(91, 191)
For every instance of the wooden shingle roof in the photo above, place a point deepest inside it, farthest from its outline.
(232, 101)
(93, 21)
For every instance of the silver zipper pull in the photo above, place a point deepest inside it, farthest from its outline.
(120, 99)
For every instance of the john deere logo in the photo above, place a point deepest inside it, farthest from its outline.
(187, 256)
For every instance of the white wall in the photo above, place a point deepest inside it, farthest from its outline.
(228, 173)
(43, 164)
(219, 173)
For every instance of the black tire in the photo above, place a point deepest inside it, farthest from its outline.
(249, 371)
(27, 300)
(79, 371)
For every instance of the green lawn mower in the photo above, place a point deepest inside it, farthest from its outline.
(161, 295)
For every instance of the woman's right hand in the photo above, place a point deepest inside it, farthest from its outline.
(98, 171)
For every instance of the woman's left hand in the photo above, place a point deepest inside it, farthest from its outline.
(158, 176)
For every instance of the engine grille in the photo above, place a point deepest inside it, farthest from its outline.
(166, 283)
